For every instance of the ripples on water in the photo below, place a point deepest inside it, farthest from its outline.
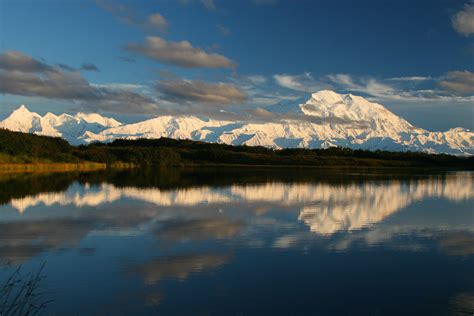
(254, 241)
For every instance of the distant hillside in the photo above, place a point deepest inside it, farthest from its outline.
(18, 147)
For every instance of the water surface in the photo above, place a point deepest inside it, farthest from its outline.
(225, 241)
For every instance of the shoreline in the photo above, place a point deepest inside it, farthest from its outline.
(50, 167)
(40, 167)
(342, 166)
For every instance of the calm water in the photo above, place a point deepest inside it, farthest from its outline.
(226, 242)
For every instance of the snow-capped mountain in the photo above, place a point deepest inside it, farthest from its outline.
(326, 119)
(69, 127)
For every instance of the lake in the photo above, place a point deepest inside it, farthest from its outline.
(229, 241)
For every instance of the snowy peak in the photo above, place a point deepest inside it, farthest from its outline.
(327, 103)
(350, 109)
(21, 120)
(64, 125)
(22, 109)
(97, 118)
(327, 96)
(23, 113)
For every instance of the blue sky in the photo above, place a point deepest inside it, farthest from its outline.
(132, 59)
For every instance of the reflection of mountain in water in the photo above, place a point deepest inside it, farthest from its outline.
(193, 214)
(159, 237)
(325, 208)
(355, 206)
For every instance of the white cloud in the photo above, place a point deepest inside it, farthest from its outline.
(412, 78)
(458, 82)
(126, 86)
(463, 21)
(223, 30)
(369, 86)
(304, 82)
(126, 15)
(344, 80)
(261, 92)
(456, 87)
(23, 75)
(378, 89)
(15, 60)
(257, 79)
(209, 5)
(180, 90)
(182, 54)
(158, 21)
(289, 82)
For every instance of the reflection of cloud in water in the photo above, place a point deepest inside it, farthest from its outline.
(326, 208)
(20, 240)
(462, 304)
(153, 298)
(453, 239)
(177, 267)
(198, 229)
(458, 244)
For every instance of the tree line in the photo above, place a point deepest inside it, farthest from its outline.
(17, 147)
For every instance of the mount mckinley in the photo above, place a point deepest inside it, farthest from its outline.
(326, 119)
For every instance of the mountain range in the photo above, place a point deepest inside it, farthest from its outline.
(327, 119)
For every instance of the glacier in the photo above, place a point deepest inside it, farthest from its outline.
(327, 119)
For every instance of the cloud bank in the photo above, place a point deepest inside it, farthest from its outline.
(182, 54)
(459, 82)
(454, 86)
(181, 90)
(14, 60)
(23, 75)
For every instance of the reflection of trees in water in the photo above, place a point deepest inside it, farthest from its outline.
(21, 293)
(21, 185)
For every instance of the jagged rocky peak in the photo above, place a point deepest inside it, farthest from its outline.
(22, 110)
